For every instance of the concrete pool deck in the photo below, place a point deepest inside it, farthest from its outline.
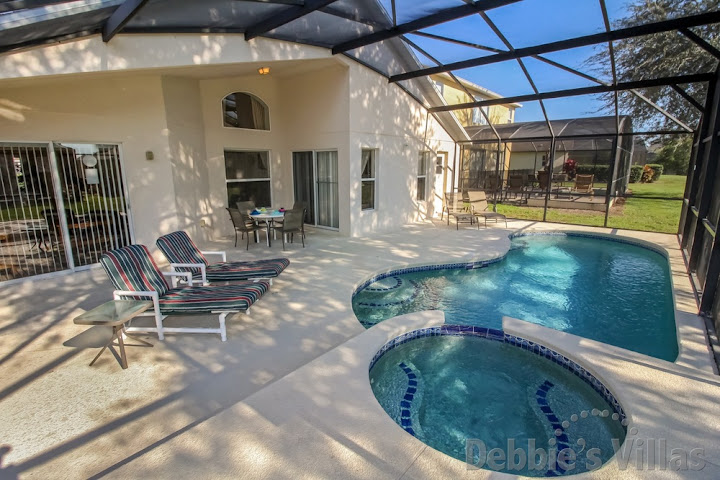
(277, 399)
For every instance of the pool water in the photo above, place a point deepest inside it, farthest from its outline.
(608, 291)
(447, 389)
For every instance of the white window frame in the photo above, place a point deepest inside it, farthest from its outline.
(477, 116)
(229, 127)
(422, 173)
(372, 180)
(246, 180)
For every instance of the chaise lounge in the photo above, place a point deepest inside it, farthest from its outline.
(458, 205)
(135, 275)
(185, 256)
(480, 208)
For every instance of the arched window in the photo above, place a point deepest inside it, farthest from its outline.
(242, 110)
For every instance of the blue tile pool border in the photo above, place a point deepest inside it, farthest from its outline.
(484, 263)
(519, 342)
(416, 292)
(426, 268)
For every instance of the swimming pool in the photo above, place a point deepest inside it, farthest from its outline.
(606, 290)
(469, 393)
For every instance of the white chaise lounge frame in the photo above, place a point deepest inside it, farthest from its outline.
(159, 328)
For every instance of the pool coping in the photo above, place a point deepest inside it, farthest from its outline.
(335, 427)
(693, 344)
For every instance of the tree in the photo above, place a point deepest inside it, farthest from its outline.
(659, 55)
(674, 155)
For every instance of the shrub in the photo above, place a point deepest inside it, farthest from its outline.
(601, 172)
(636, 173)
(647, 175)
(657, 169)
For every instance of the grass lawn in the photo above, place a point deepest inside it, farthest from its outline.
(33, 208)
(637, 213)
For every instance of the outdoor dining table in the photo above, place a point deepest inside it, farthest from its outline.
(269, 218)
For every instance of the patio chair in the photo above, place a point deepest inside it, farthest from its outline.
(584, 184)
(457, 205)
(515, 185)
(135, 275)
(243, 223)
(543, 179)
(480, 208)
(77, 225)
(493, 184)
(246, 207)
(293, 222)
(185, 256)
(297, 205)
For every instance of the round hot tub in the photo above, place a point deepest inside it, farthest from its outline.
(497, 401)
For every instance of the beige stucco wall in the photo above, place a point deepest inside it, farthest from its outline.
(219, 138)
(315, 116)
(383, 117)
(140, 52)
(176, 113)
(186, 143)
(127, 110)
(308, 111)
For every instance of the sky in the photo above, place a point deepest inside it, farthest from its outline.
(525, 23)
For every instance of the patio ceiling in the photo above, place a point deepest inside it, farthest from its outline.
(395, 38)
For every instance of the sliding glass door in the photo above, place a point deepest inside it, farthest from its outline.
(327, 189)
(315, 179)
(304, 182)
(61, 206)
(28, 246)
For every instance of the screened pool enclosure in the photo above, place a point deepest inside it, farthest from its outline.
(549, 164)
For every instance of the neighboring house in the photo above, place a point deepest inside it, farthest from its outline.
(482, 157)
(526, 145)
(454, 93)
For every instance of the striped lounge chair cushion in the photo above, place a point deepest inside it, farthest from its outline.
(178, 247)
(133, 268)
(238, 270)
(238, 296)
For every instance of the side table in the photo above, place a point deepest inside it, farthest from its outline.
(115, 314)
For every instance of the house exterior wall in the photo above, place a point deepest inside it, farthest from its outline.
(186, 148)
(128, 110)
(315, 115)
(531, 160)
(219, 138)
(384, 118)
(453, 95)
(142, 52)
(526, 161)
(50, 93)
(308, 111)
